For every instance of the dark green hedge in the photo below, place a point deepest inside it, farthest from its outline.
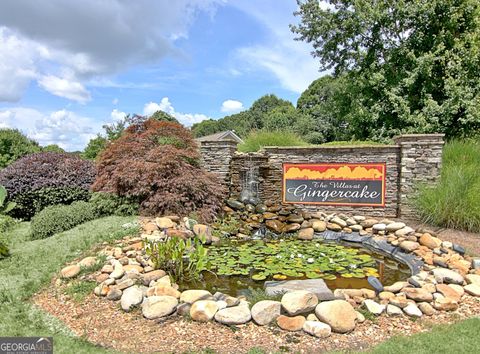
(58, 218)
(111, 204)
(31, 202)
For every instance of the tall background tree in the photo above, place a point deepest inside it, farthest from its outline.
(14, 145)
(244, 122)
(412, 66)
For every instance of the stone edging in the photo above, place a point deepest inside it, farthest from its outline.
(128, 277)
(376, 244)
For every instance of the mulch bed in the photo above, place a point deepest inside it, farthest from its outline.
(469, 240)
(102, 322)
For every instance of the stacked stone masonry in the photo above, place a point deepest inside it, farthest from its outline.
(421, 162)
(217, 157)
(413, 160)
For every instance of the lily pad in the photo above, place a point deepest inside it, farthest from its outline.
(259, 276)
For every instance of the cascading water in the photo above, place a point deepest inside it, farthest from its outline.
(250, 181)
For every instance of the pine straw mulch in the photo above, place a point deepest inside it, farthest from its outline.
(103, 323)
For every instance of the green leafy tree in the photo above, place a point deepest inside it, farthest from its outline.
(325, 106)
(13, 145)
(205, 127)
(52, 148)
(243, 122)
(164, 117)
(94, 147)
(280, 118)
(261, 107)
(412, 65)
(113, 131)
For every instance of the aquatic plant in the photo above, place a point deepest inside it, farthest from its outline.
(286, 259)
(182, 260)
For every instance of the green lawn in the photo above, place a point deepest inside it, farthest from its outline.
(461, 337)
(33, 263)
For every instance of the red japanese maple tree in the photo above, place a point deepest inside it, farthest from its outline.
(157, 163)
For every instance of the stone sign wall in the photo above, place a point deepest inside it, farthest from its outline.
(339, 184)
(414, 159)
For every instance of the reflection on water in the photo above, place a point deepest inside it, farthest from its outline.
(389, 272)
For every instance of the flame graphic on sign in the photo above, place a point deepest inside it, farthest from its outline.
(343, 172)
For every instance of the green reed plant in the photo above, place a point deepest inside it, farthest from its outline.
(455, 201)
(182, 260)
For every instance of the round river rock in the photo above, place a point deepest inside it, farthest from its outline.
(338, 314)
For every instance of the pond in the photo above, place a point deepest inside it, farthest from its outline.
(235, 266)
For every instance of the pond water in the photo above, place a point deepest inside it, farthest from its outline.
(237, 266)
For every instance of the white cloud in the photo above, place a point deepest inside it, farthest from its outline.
(288, 60)
(65, 128)
(153, 107)
(117, 115)
(231, 106)
(165, 105)
(66, 88)
(5, 118)
(115, 101)
(114, 35)
(188, 119)
(17, 66)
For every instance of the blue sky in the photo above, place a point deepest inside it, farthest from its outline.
(67, 67)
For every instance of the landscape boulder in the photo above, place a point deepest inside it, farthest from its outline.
(266, 311)
(299, 301)
(338, 314)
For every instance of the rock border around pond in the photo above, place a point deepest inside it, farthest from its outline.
(441, 277)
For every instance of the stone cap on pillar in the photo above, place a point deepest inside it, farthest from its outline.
(419, 138)
(218, 143)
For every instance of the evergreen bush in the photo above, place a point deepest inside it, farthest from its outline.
(59, 218)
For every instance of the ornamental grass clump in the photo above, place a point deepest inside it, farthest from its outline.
(47, 178)
(158, 165)
(455, 201)
(257, 140)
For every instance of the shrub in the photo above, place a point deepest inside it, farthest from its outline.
(47, 178)
(14, 145)
(111, 204)
(455, 201)
(4, 251)
(30, 203)
(157, 163)
(6, 222)
(58, 218)
(5, 206)
(257, 140)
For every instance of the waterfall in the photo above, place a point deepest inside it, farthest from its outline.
(250, 182)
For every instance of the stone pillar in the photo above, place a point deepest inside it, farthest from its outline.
(216, 158)
(420, 162)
